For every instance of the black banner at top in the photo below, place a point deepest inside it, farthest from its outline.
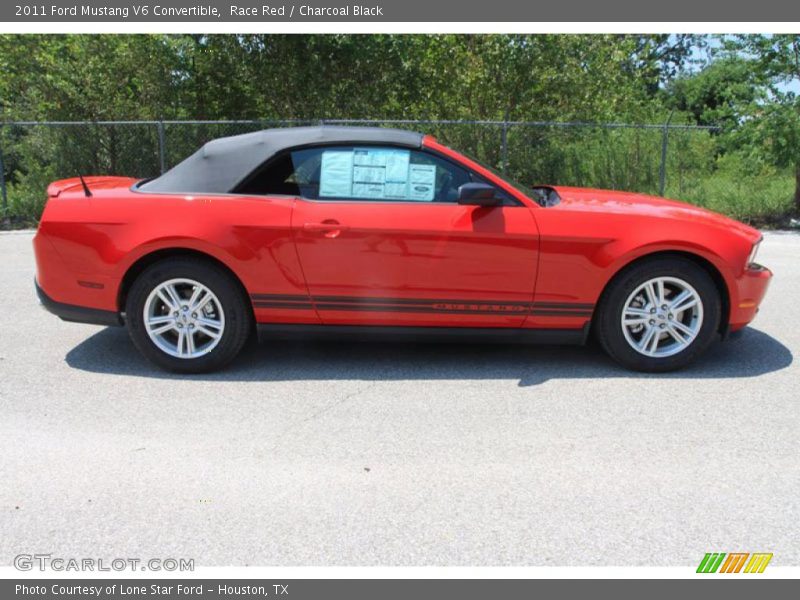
(470, 11)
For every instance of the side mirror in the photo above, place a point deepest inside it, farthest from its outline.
(478, 194)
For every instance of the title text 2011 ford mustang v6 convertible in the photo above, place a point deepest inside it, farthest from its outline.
(377, 231)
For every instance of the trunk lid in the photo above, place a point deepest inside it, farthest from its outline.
(93, 182)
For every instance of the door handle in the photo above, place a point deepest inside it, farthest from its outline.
(329, 227)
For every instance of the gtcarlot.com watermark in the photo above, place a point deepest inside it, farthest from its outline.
(48, 562)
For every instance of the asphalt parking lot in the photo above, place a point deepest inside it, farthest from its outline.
(312, 453)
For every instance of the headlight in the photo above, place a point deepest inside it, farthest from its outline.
(752, 258)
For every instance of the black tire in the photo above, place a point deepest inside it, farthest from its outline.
(608, 327)
(238, 318)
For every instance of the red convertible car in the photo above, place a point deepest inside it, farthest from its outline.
(379, 231)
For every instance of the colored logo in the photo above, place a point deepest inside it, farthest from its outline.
(734, 562)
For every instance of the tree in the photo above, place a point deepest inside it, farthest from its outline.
(659, 58)
(774, 122)
(722, 94)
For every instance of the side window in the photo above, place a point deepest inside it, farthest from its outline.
(369, 173)
(277, 178)
(375, 173)
(507, 199)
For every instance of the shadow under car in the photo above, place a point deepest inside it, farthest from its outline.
(748, 353)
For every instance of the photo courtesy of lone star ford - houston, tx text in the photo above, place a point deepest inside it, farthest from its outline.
(327, 299)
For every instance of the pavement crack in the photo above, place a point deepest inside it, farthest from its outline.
(322, 411)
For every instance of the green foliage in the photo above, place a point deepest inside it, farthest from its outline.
(720, 94)
(26, 195)
(106, 77)
(594, 78)
(770, 125)
(759, 196)
(775, 134)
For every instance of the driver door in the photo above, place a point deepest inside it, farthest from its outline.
(382, 240)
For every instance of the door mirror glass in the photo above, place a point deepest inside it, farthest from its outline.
(478, 194)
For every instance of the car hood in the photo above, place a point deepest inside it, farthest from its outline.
(629, 203)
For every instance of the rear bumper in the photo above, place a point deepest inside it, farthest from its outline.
(77, 314)
(751, 288)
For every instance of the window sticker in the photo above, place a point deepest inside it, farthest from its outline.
(336, 174)
(421, 181)
(397, 166)
(376, 174)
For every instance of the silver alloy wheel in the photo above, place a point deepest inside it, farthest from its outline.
(184, 318)
(662, 317)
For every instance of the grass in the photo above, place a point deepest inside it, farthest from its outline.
(763, 200)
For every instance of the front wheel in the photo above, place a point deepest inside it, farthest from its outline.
(187, 315)
(659, 315)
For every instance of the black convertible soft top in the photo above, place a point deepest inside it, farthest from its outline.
(221, 164)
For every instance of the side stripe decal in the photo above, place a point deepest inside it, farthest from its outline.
(422, 305)
(279, 297)
(299, 305)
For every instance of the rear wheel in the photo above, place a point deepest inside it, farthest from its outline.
(659, 315)
(187, 315)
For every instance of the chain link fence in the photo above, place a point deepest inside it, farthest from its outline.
(663, 159)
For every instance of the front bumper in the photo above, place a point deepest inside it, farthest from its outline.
(751, 288)
(77, 314)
